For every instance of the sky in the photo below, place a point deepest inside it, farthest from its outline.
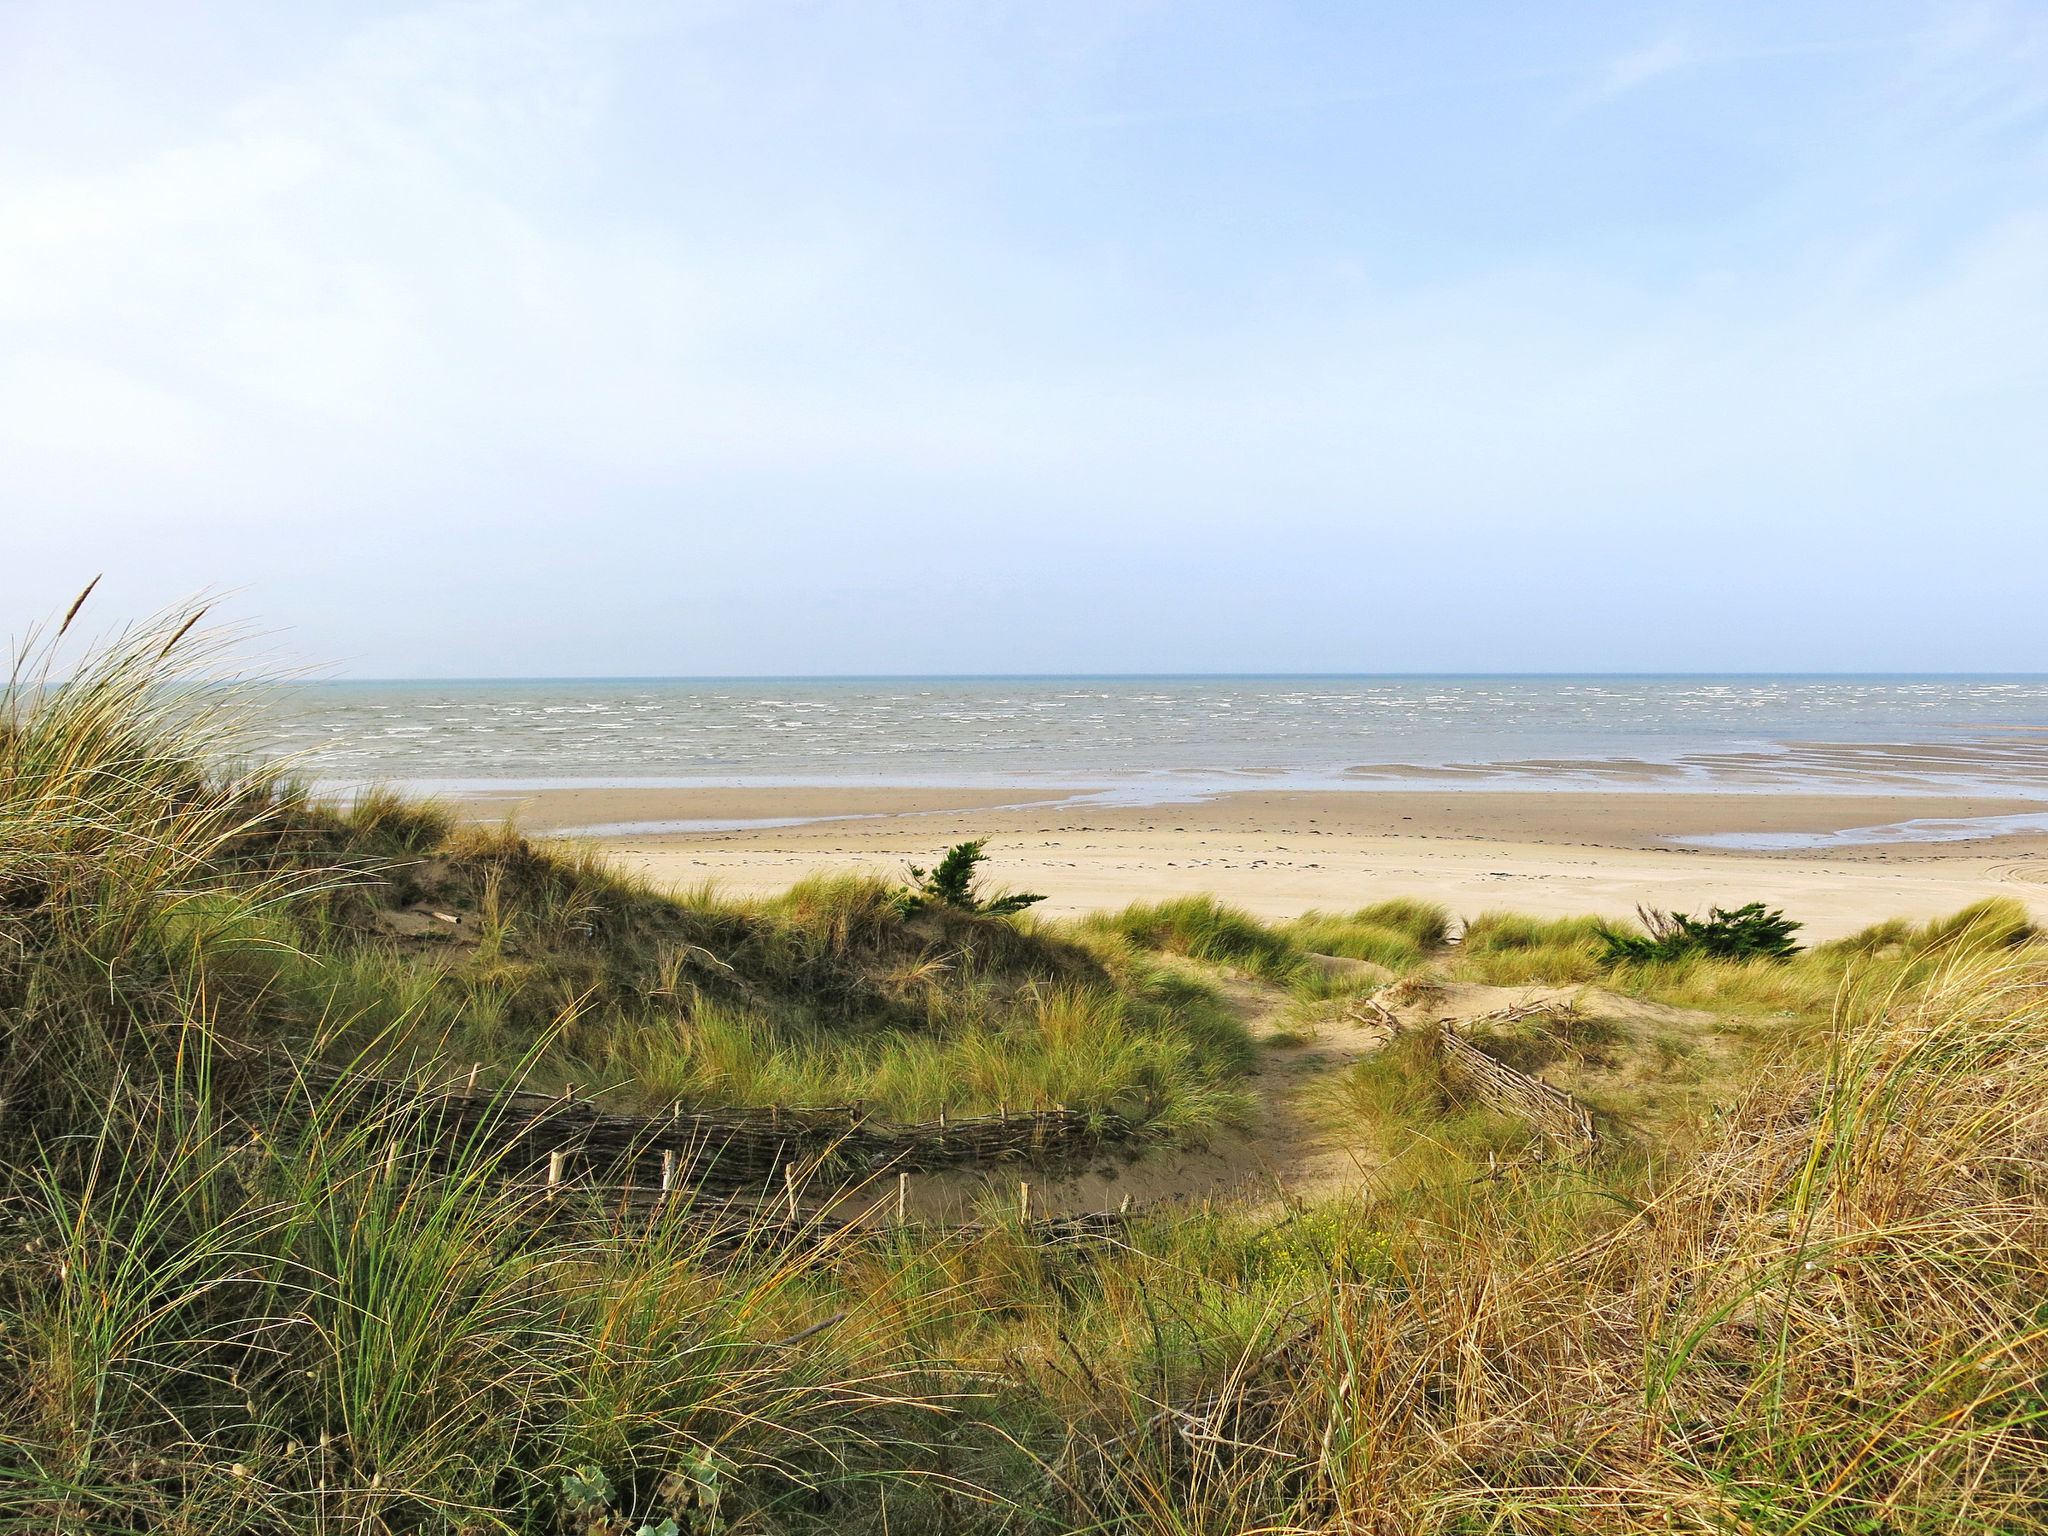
(796, 337)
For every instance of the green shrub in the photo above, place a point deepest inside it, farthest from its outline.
(1747, 933)
(951, 884)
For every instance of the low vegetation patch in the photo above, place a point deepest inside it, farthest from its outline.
(1506, 949)
(1397, 934)
(1203, 928)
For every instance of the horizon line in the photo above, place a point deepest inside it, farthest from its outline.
(1129, 677)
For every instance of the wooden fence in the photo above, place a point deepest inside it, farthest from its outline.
(773, 1221)
(558, 1140)
(1551, 1110)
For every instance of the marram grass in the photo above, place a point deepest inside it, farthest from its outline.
(234, 1299)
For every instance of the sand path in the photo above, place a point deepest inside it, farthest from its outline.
(1290, 1147)
(1294, 1145)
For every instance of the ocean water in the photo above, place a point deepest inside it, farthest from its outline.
(1154, 739)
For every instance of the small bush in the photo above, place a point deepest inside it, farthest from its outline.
(1747, 933)
(951, 884)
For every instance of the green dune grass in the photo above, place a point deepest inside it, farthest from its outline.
(235, 1296)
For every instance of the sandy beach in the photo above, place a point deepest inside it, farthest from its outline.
(1279, 853)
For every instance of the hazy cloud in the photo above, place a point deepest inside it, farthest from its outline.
(481, 338)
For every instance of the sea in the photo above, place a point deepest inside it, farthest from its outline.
(1141, 740)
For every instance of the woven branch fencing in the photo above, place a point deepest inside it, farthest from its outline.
(774, 1221)
(573, 1140)
(1551, 1110)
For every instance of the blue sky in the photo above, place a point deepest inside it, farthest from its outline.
(758, 337)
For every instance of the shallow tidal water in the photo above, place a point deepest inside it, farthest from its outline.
(1156, 739)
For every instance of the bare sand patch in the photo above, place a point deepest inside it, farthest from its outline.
(1279, 853)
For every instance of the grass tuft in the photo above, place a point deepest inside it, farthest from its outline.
(1203, 928)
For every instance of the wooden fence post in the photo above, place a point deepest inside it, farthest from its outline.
(1024, 1204)
(555, 1160)
(902, 1197)
(668, 1171)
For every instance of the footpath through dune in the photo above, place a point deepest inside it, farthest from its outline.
(1284, 1149)
(1295, 1144)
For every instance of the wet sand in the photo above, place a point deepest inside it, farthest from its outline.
(1279, 853)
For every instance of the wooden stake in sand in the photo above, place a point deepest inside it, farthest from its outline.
(902, 1197)
(1024, 1204)
(555, 1161)
(668, 1172)
(789, 1186)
